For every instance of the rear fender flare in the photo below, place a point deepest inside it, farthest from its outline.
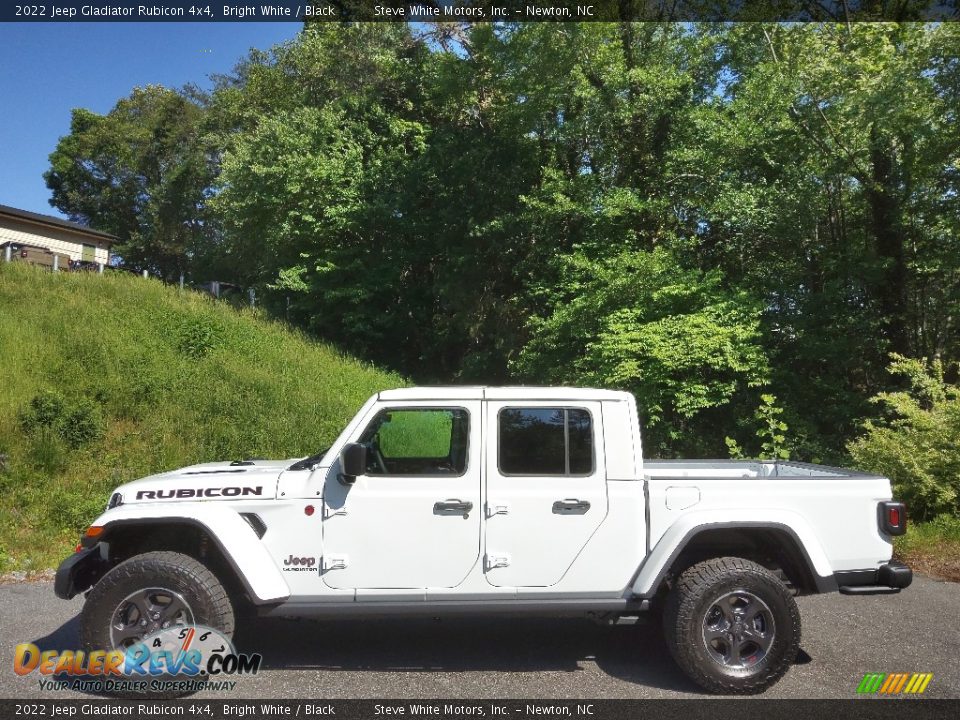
(660, 560)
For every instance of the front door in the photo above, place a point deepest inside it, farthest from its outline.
(413, 519)
(546, 489)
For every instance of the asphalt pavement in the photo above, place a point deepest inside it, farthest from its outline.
(844, 637)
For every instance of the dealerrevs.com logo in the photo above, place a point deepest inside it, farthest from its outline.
(180, 659)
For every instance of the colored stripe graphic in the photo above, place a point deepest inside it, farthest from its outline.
(870, 683)
(894, 683)
(885, 688)
(901, 681)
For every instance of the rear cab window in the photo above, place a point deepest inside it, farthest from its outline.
(541, 441)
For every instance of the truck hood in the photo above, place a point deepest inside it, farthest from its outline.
(208, 481)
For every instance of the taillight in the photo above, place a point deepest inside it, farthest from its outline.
(892, 517)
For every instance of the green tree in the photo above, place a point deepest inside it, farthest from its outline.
(408, 191)
(686, 347)
(317, 140)
(699, 213)
(142, 172)
(826, 179)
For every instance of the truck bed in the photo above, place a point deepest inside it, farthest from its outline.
(722, 469)
(833, 510)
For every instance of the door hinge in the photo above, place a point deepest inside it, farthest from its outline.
(496, 510)
(334, 562)
(329, 512)
(496, 561)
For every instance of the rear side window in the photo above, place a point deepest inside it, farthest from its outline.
(545, 441)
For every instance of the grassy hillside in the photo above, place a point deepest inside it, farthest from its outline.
(109, 378)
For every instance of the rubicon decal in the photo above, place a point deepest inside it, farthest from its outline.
(185, 493)
(894, 683)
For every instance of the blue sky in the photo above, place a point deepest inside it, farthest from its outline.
(46, 69)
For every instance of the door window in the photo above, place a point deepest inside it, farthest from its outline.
(545, 441)
(417, 441)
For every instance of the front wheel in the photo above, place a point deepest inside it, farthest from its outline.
(732, 626)
(149, 593)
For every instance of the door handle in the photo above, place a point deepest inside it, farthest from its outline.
(571, 506)
(452, 507)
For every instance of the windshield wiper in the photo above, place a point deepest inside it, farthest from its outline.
(309, 462)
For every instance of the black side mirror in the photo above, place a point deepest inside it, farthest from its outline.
(353, 462)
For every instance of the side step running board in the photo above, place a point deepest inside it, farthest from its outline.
(868, 590)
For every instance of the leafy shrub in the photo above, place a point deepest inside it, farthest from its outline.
(45, 410)
(198, 335)
(76, 423)
(771, 431)
(915, 445)
(947, 526)
(82, 424)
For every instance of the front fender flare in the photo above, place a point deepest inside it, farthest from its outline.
(236, 540)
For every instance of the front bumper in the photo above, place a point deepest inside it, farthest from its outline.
(885, 580)
(79, 572)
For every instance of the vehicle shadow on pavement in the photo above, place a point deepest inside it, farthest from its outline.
(517, 645)
(67, 636)
(633, 654)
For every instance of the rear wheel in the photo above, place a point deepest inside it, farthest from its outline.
(732, 625)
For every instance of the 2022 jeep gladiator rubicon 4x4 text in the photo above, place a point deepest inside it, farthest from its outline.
(473, 500)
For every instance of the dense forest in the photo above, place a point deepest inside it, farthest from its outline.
(753, 227)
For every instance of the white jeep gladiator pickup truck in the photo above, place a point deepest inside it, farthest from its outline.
(475, 500)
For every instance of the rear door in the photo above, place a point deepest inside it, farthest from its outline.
(413, 519)
(546, 489)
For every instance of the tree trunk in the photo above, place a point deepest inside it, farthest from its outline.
(887, 228)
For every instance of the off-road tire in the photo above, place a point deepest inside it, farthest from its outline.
(180, 573)
(694, 594)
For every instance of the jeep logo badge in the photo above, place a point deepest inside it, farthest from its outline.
(299, 564)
